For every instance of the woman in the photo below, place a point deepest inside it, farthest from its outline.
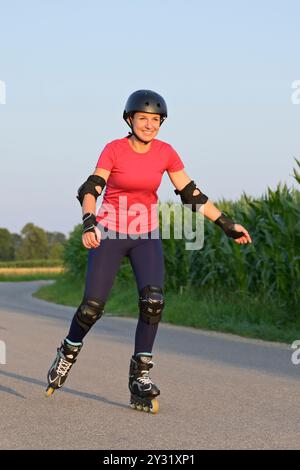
(131, 168)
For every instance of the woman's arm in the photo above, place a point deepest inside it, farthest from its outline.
(180, 179)
(92, 239)
(89, 202)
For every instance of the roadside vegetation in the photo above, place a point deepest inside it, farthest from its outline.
(251, 290)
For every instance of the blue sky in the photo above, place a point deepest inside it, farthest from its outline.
(225, 69)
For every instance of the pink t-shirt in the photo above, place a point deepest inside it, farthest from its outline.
(130, 201)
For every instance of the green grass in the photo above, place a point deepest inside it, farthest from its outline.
(65, 292)
(235, 313)
(28, 277)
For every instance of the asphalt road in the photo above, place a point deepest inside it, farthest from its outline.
(217, 391)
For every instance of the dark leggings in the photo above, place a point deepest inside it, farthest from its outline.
(146, 258)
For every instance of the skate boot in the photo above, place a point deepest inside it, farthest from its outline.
(143, 390)
(58, 372)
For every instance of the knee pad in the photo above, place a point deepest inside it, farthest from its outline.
(151, 304)
(88, 312)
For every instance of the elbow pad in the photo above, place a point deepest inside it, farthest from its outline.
(187, 196)
(89, 187)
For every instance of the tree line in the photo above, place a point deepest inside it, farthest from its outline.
(32, 243)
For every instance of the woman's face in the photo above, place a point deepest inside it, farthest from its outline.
(146, 125)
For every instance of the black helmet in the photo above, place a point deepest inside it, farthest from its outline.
(145, 101)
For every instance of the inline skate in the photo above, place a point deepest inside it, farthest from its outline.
(143, 391)
(64, 360)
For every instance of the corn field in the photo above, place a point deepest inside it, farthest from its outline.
(267, 269)
(33, 263)
(22, 271)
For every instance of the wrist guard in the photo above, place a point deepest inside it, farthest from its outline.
(89, 187)
(187, 197)
(227, 225)
(89, 222)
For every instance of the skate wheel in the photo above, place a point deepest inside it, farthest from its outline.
(132, 405)
(154, 406)
(146, 409)
(139, 407)
(50, 391)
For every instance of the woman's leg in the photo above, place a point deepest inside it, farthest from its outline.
(148, 266)
(103, 264)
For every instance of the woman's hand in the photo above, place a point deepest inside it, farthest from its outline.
(91, 239)
(245, 238)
